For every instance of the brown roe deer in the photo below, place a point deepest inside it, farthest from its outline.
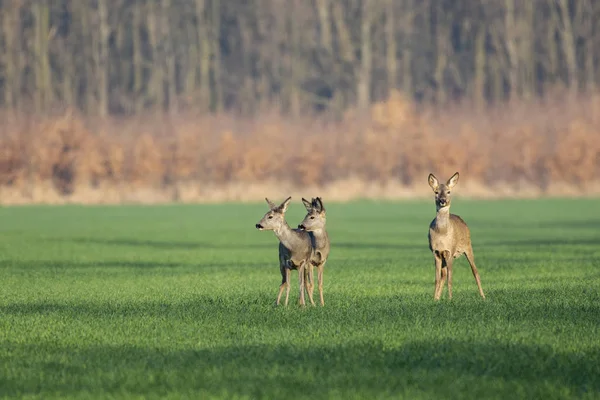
(295, 247)
(449, 237)
(314, 223)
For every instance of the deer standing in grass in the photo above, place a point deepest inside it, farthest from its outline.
(449, 237)
(314, 223)
(295, 247)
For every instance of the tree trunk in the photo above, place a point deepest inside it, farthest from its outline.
(43, 78)
(102, 71)
(323, 7)
(204, 53)
(480, 66)
(363, 89)
(12, 76)
(585, 20)
(442, 50)
(216, 56)
(390, 35)
(346, 60)
(84, 59)
(527, 51)
(568, 46)
(496, 67)
(157, 90)
(511, 48)
(170, 82)
(294, 61)
(552, 64)
(138, 59)
(407, 54)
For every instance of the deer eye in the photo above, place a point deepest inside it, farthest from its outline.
(270, 217)
(448, 192)
(312, 217)
(437, 192)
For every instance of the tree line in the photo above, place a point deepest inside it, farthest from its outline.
(124, 57)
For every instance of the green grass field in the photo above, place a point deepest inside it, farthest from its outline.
(177, 302)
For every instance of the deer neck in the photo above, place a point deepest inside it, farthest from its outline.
(442, 219)
(320, 236)
(286, 235)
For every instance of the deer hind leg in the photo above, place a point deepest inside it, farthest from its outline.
(438, 275)
(309, 282)
(301, 269)
(471, 259)
(320, 269)
(447, 266)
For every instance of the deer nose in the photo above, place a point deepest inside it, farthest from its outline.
(259, 226)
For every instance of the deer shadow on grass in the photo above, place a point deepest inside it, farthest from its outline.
(120, 264)
(557, 242)
(517, 305)
(574, 225)
(380, 246)
(448, 368)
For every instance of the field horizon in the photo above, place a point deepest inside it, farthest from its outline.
(341, 191)
(176, 301)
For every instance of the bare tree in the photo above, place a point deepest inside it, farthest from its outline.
(363, 86)
(568, 45)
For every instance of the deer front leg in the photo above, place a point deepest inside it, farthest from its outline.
(284, 281)
(444, 276)
(288, 275)
(438, 275)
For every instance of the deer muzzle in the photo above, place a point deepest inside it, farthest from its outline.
(259, 227)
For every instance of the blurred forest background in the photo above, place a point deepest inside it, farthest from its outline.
(191, 100)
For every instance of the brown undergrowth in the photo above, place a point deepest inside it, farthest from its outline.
(519, 149)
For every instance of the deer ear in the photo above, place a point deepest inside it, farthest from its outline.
(283, 207)
(271, 204)
(307, 204)
(433, 182)
(315, 204)
(452, 181)
(321, 207)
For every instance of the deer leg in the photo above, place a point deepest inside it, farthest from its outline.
(306, 283)
(301, 283)
(448, 262)
(288, 275)
(309, 282)
(283, 282)
(438, 275)
(320, 276)
(444, 276)
(471, 259)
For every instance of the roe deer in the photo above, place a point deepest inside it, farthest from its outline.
(449, 237)
(295, 247)
(314, 223)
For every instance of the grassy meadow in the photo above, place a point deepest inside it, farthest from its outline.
(177, 302)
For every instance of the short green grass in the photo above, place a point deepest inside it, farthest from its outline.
(177, 302)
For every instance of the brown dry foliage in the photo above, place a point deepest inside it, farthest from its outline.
(538, 144)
